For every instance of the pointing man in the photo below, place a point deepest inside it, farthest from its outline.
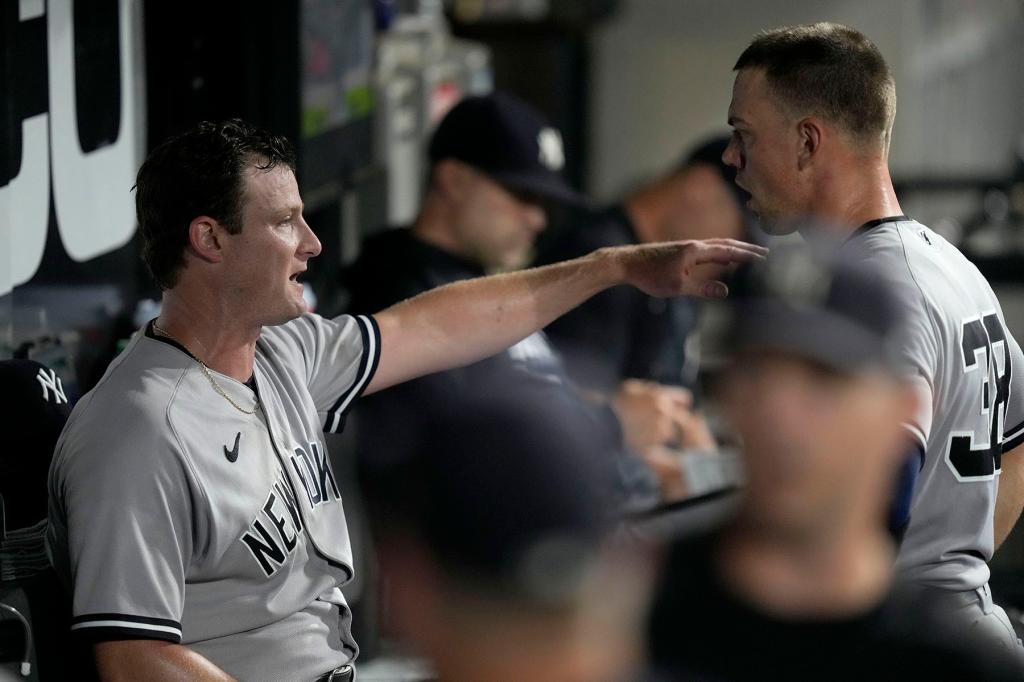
(185, 564)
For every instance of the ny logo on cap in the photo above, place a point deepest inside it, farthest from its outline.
(51, 382)
(550, 143)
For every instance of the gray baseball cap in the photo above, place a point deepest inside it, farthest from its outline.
(842, 314)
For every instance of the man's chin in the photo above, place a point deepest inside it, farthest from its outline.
(296, 309)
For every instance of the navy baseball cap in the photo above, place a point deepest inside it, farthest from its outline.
(509, 141)
(842, 314)
(509, 500)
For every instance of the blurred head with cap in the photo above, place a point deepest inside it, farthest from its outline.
(494, 160)
(698, 199)
(814, 391)
(493, 539)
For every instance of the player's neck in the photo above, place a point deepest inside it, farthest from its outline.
(845, 201)
(836, 576)
(213, 335)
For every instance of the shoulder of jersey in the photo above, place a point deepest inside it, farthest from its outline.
(133, 386)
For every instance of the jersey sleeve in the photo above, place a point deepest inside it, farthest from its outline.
(338, 357)
(919, 357)
(918, 342)
(122, 531)
(1013, 423)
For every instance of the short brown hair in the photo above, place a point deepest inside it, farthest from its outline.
(829, 70)
(199, 172)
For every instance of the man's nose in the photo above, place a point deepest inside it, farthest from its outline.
(310, 246)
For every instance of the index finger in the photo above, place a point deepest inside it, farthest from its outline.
(726, 241)
(738, 252)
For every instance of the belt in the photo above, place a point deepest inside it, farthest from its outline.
(343, 673)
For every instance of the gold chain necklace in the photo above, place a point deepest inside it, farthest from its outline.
(206, 370)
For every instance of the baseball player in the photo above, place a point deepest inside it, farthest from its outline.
(812, 113)
(193, 509)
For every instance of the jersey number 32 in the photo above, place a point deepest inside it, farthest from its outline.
(985, 354)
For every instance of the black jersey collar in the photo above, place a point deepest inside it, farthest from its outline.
(151, 333)
(871, 224)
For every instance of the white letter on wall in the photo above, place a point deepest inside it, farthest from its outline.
(91, 192)
(25, 201)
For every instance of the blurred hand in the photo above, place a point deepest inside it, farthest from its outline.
(668, 466)
(694, 433)
(652, 414)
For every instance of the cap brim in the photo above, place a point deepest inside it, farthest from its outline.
(545, 185)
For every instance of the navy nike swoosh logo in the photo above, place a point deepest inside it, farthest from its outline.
(232, 454)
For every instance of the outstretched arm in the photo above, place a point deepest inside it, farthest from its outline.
(466, 321)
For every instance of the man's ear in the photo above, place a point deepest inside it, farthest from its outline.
(204, 238)
(810, 134)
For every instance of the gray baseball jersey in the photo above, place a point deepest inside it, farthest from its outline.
(175, 516)
(970, 374)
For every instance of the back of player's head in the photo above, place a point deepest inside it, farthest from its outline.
(199, 172)
(508, 140)
(827, 70)
(507, 502)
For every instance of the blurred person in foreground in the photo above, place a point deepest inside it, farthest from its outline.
(495, 167)
(812, 113)
(802, 579)
(493, 544)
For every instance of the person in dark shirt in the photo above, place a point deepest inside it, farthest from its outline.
(494, 161)
(620, 334)
(800, 584)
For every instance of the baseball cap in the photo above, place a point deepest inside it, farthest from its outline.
(841, 314)
(32, 397)
(508, 140)
(509, 500)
